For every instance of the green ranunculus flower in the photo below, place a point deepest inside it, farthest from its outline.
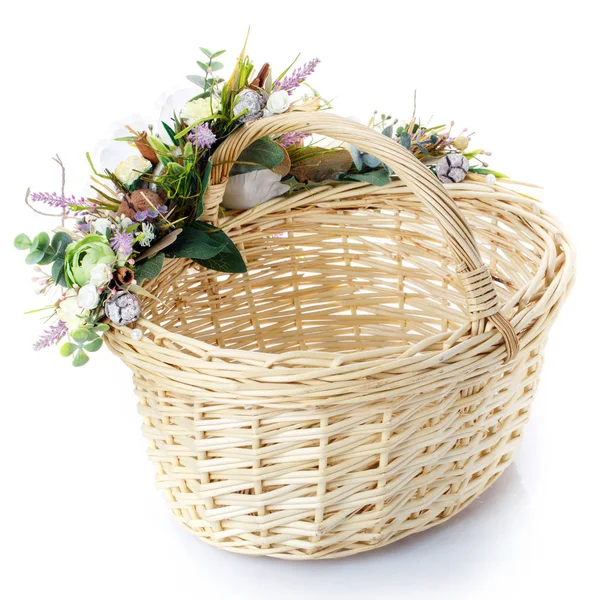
(82, 256)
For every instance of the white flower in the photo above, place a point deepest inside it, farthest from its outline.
(100, 274)
(132, 168)
(278, 102)
(148, 232)
(248, 189)
(71, 314)
(199, 109)
(88, 296)
(101, 226)
(124, 223)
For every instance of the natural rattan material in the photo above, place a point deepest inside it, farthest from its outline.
(348, 390)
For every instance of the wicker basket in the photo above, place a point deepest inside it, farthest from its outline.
(372, 372)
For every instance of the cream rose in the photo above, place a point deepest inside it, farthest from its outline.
(131, 169)
(100, 274)
(278, 102)
(71, 313)
(88, 297)
(199, 109)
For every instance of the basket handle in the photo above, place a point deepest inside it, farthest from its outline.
(481, 295)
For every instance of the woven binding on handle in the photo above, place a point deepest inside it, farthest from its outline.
(482, 299)
(481, 295)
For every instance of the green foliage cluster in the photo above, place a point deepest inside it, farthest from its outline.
(42, 251)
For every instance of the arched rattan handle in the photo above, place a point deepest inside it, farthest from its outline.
(482, 298)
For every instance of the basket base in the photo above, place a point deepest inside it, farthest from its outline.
(325, 549)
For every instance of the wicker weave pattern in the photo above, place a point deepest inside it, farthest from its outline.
(349, 390)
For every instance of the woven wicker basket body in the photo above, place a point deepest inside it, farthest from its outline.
(372, 372)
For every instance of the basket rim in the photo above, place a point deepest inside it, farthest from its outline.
(411, 357)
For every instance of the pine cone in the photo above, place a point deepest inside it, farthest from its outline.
(139, 201)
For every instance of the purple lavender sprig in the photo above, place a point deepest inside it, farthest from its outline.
(58, 201)
(293, 138)
(298, 76)
(51, 336)
(202, 136)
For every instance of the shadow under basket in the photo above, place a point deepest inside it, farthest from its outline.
(354, 386)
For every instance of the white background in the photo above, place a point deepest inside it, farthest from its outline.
(80, 518)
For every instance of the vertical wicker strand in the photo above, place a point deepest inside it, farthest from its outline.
(322, 485)
(384, 456)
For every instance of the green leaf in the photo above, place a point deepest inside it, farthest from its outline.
(59, 243)
(206, 52)
(81, 335)
(47, 258)
(80, 359)
(34, 257)
(170, 131)
(58, 272)
(388, 131)
(161, 150)
(94, 345)
(40, 241)
(215, 54)
(229, 260)
(195, 243)
(405, 139)
(22, 242)
(483, 171)
(217, 66)
(263, 153)
(101, 327)
(379, 177)
(205, 182)
(197, 80)
(150, 268)
(68, 348)
(202, 65)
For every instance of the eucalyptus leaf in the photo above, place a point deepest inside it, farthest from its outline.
(34, 257)
(58, 272)
(40, 241)
(59, 242)
(22, 242)
(150, 268)
(379, 177)
(217, 66)
(388, 131)
(197, 80)
(371, 161)
(405, 140)
(206, 52)
(47, 258)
